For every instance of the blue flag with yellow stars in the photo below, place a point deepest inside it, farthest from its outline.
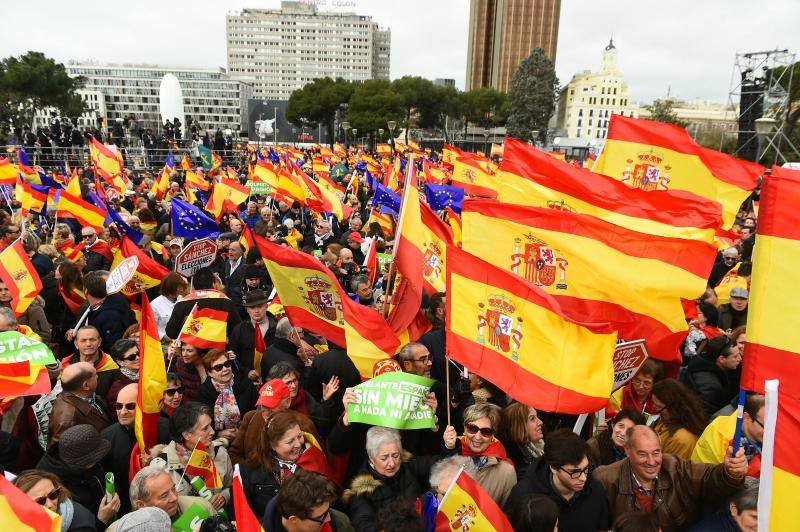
(189, 221)
(441, 196)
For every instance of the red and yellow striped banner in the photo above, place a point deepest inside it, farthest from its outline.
(152, 380)
(206, 328)
(19, 276)
(69, 206)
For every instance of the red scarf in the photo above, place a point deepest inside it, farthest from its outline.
(495, 449)
(629, 400)
(73, 298)
(711, 332)
(298, 404)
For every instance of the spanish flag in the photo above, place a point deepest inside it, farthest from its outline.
(508, 329)
(437, 236)
(408, 256)
(152, 380)
(148, 274)
(32, 198)
(19, 276)
(597, 271)
(186, 164)
(326, 199)
(497, 150)
(313, 299)
(772, 350)
(386, 221)
(474, 178)
(8, 172)
(383, 149)
(227, 196)
(202, 465)
(88, 215)
(18, 379)
(467, 506)
(313, 459)
(454, 221)
(531, 177)
(205, 328)
(196, 180)
(434, 175)
(653, 156)
(451, 153)
(264, 172)
(20, 513)
(161, 185)
(246, 520)
(108, 163)
(74, 184)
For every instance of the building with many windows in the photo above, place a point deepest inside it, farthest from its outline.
(280, 50)
(708, 123)
(112, 91)
(587, 102)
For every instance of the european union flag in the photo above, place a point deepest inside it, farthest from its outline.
(273, 157)
(170, 161)
(23, 157)
(189, 221)
(361, 166)
(385, 196)
(113, 216)
(441, 196)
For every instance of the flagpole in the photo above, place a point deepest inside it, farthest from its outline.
(180, 480)
(447, 386)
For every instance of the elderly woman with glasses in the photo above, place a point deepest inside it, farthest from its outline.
(46, 490)
(494, 470)
(389, 474)
(126, 354)
(229, 394)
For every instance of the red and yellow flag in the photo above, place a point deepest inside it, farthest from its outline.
(8, 171)
(497, 150)
(587, 264)
(197, 180)
(474, 178)
(205, 328)
(498, 324)
(451, 153)
(161, 185)
(18, 512)
(30, 199)
(152, 380)
(201, 465)
(437, 236)
(186, 164)
(654, 156)
(531, 177)
(386, 221)
(313, 299)
(74, 183)
(467, 506)
(454, 221)
(105, 160)
(246, 520)
(19, 276)
(148, 274)
(69, 206)
(313, 458)
(227, 195)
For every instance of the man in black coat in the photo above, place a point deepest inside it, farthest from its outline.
(204, 295)
(332, 362)
(284, 348)
(232, 272)
(242, 339)
(563, 475)
(713, 373)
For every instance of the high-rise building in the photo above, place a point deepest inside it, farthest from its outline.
(587, 102)
(210, 96)
(504, 32)
(280, 50)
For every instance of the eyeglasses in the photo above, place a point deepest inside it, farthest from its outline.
(642, 384)
(219, 367)
(320, 518)
(730, 259)
(661, 409)
(173, 391)
(131, 357)
(486, 432)
(576, 473)
(759, 423)
(126, 406)
(424, 359)
(86, 236)
(53, 496)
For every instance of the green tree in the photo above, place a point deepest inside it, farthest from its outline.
(374, 102)
(485, 106)
(32, 82)
(662, 111)
(317, 102)
(532, 96)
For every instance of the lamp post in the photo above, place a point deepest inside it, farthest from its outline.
(345, 127)
(391, 124)
(485, 139)
(380, 134)
(355, 138)
(764, 126)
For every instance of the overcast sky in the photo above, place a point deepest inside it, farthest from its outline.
(687, 46)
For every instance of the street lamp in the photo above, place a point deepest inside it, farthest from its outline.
(485, 139)
(391, 124)
(764, 126)
(355, 138)
(345, 127)
(380, 134)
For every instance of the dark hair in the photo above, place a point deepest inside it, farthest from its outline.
(399, 516)
(71, 276)
(171, 283)
(281, 369)
(629, 413)
(302, 492)
(745, 268)
(719, 346)
(685, 409)
(253, 255)
(636, 522)
(174, 377)
(95, 284)
(184, 419)
(120, 346)
(734, 335)
(277, 426)
(534, 512)
(710, 312)
(211, 355)
(562, 446)
(651, 368)
(203, 279)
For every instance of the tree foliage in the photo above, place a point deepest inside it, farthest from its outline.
(485, 106)
(662, 111)
(317, 102)
(32, 82)
(374, 102)
(532, 96)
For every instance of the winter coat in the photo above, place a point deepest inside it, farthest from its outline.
(70, 410)
(676, 440)
(272, 520)
(730, 318)
(721, 521)
(35, 318)
(332, 362)
(602, 450)
(111, 318)
(243, 390)
(82, 520)
(259, 486)
(169, 461)
(715, 386)
(281, 350)
(682, 489)
(522, 459)
(587, 510)
(242, 341)
(86, 487)
(189, 377)
(120, 381)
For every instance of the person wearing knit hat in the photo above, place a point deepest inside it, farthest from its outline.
(148, 519)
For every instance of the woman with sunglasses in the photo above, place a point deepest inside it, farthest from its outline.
(390, 474)
(681, 420)
(173, 394)
(229, 394)
(495, 471)
(126, 354)
(46, 490)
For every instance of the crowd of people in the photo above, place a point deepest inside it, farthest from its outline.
(662, 460)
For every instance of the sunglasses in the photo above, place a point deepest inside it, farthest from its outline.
(486, 432)
(131, 357)
(126, 406)
(86, 236)
(320, 518)
(219, 367)
(173, 391)
(53, 496)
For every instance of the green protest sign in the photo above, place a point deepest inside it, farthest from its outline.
(383, 260)
(393, 399)
(16, 347)
(257, 187)
(191, 519)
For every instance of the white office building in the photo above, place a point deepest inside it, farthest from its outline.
(280, 50)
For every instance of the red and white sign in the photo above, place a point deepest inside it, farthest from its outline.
(122, 274)
(196, 255)
(628, 358)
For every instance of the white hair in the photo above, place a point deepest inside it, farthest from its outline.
(379, 436)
